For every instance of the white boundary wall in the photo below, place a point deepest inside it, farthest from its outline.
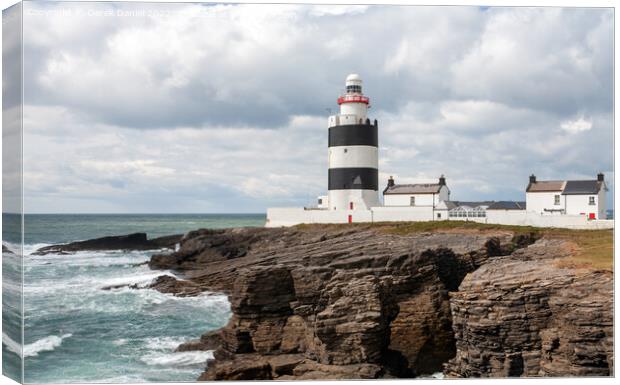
(402, 214)
(279, 217)
(523, 218)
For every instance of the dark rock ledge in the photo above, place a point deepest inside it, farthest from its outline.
(136, 241)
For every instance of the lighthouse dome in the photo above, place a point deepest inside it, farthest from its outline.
(354, 79)
(354, 84)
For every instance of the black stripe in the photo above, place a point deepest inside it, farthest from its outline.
(361, 178)
(354, 135)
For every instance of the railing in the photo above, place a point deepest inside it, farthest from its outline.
(353, 99)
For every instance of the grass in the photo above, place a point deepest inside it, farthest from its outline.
(404, 228)
(592, 249)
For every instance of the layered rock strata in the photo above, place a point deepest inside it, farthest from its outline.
(333, 302)
(526, 315)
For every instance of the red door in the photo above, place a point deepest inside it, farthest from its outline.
(592, 216)
(350, 218)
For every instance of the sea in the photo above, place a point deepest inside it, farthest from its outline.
(74, 331)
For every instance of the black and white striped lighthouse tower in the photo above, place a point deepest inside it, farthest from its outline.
(353, 152)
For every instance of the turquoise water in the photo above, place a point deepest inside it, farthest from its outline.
(77, 332)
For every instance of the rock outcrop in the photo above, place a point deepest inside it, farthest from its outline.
(362, 301)
(525, 315)
(136, 241)
(333, 302)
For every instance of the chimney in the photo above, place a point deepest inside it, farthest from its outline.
(390, 182)
(600, 177)
(532, 178)
(442, 180)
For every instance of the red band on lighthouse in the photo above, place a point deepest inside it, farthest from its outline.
(353, 99)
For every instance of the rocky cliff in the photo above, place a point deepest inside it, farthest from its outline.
(319, 302)
(526, 315)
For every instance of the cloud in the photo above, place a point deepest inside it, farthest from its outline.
(577, 125)
(221, 107)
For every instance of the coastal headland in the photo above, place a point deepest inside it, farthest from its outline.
(401, 300)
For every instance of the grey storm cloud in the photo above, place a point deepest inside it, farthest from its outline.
(123, 93)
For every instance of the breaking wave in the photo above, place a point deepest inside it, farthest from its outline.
(46, 344)
(11, 345)
(177, 359)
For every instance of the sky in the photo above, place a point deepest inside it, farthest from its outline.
(169, 108)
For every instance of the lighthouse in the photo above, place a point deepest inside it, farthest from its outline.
(353, 152)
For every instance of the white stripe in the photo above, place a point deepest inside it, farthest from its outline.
(353, 156)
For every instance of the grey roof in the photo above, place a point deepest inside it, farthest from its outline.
(567, 187)
(575, 187)
(507, 205)
(420, 188)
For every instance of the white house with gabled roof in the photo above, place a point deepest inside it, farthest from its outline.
(567, 197)
(416, 195)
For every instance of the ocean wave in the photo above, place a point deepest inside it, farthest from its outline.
(164, 343)
(177, 359)
(49, 281)
(141, 280)
(46, 344)
(90, 258)
(11, 345)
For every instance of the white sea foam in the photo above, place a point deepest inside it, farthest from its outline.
(436, 375)
(177, 359)
(31, 248)
(11, 345)
(138, 279)
(46, 344)
(164, 343)
(90, 258)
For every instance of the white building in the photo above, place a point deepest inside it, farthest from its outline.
(419, 195)
(567, 197)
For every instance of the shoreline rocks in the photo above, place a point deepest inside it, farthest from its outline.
(334, 302)
(136, 241)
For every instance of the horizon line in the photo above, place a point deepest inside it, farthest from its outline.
(153, 213)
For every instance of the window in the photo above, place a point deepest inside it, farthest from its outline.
(556, 200)
(438, 215)
(412, 201)
(591, 201)
(345, 150)
(320, 201)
